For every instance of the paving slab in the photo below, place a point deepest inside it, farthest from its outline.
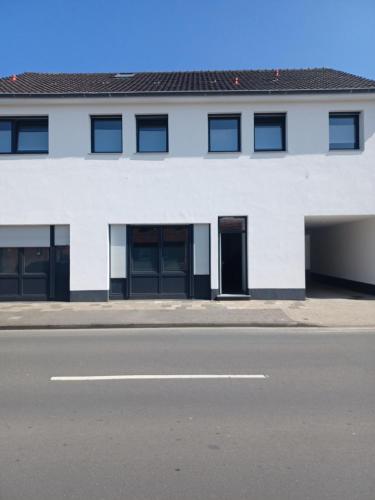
(335, 312)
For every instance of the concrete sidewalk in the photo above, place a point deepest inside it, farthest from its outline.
(353, 311)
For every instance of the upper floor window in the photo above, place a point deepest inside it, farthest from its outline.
(24, 135)
(152, 134)
(224, 133)
(106, 134)
(343, 131)
(269, 132)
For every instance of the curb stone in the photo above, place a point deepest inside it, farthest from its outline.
(292, 324)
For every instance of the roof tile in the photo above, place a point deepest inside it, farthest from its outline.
(187, 82)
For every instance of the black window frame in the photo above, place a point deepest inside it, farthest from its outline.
(345, 114)
(281, 116)
(153, 117)
(223, 116)
(16, 121)
(93, 118)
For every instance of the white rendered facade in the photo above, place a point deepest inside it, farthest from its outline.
(282, 194)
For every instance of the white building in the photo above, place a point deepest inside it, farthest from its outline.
(200, 184)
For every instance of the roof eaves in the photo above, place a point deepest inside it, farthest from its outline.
(188, 92)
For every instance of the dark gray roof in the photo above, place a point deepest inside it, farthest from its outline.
(299, 81)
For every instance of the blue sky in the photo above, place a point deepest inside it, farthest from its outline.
(152, 35)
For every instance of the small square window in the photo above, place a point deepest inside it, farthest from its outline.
(269, 132)
(106, 134)
(32, 136)
(36, 260)
(152, 134)
(343, 131)
(224, 133)
(24, 135)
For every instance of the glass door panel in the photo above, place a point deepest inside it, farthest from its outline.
(145, 251)
(175, 249)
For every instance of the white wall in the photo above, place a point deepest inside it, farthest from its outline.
(188, 185)
(201, 257)
(118, 250)
(89, 256)
(345, 250)
(24, 236)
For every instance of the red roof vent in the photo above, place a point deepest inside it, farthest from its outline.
(14, 78)
(236, 81)
(277, 73)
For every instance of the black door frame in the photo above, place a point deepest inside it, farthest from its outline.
(189, 272)
(245, 270)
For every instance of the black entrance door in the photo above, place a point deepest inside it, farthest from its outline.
(159, 261)
(233, 255)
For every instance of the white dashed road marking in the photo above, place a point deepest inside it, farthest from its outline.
(157, 377)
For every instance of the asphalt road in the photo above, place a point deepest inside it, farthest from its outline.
(305, 432)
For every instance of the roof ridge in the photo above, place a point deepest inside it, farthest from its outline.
(156, 72)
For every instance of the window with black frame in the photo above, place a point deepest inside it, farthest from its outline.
(36, 260)
(106, 134)
(224, 133)
(343, 131)
(269, 132)
(152, 134)
(24, 135)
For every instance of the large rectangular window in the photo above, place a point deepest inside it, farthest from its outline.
(106, 134)
(224, 133)
(152, 134)
(24, 135)
(269, 132)
(343, 131)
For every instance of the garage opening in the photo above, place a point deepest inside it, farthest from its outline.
(34, 263)
(340, 257)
